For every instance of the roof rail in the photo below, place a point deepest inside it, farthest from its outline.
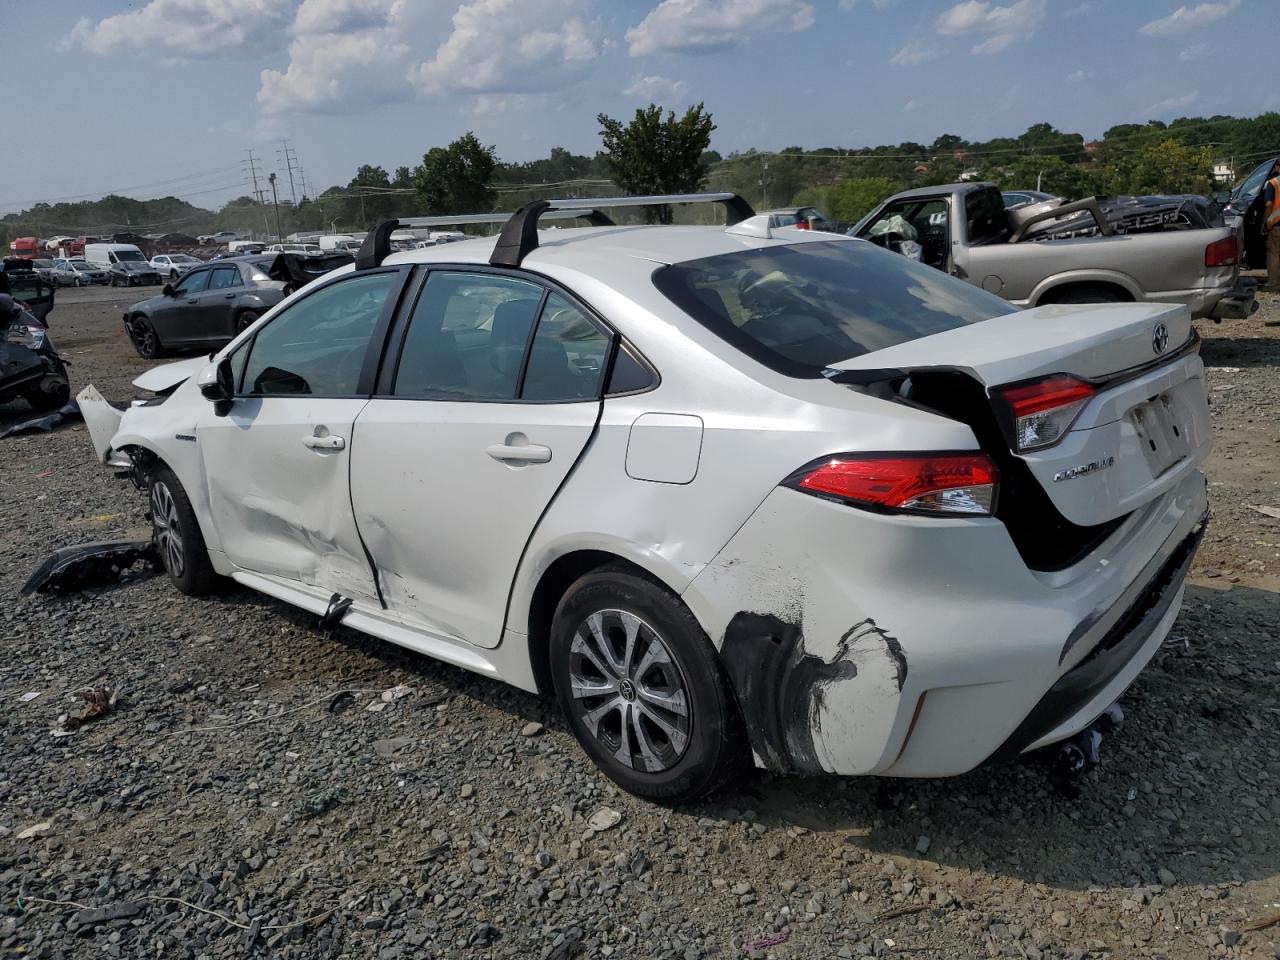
(520, 235)
(520, 231)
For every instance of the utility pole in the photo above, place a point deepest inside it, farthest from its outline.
(275, 198)
(253, 175)
(764, 182)
(290, 160)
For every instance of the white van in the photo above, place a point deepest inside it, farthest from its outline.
(339, 242)
(105, 254)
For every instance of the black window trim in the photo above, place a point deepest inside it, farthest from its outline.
(226, 267)
(398, 333)
(373, 351)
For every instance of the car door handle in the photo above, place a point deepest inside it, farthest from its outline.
(192, 300)
(521, 453)
(328, 442)
(228, 296)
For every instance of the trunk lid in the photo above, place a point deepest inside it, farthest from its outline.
(1137, 437)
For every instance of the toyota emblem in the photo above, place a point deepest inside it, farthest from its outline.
(1160, 338)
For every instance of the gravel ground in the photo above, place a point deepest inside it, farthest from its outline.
(237, 803)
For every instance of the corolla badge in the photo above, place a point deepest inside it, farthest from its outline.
(1084, 469)
(1160, 338)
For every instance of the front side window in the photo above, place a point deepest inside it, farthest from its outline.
(466, 338)
(800, 308)
(567, 358)
(223, 277)
(317, 346)
(191, 284)
(923, 221)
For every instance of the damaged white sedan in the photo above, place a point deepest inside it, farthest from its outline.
(724, 492)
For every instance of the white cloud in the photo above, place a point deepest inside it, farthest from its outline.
(189, 28)
(1081, 9)
(1189, 18)
(342, 58)
(512, 46)
(914, 52)
(911, 106)
(878, 4)
(654, 89)
(1078, 76)
(1197, 51)
(1000, 25)
(694, 26)
(1173, 104)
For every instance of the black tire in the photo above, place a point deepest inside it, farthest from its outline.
(145, 339)
(709, 748)
(176, 535)
(1085, 293)
(246, 320)
(42, 401)
(173, 274)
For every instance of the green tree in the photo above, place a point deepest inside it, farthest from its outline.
(455, 179)
(656, 155)
(853, 198)
(1166, 166)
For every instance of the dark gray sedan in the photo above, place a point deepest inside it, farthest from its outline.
(205, 308)
(133, 273)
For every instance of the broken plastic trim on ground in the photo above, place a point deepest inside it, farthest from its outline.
(91, 565)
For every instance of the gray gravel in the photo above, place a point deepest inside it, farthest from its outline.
(238, 803)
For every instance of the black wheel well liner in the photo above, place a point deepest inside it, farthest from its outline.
(1053, 293)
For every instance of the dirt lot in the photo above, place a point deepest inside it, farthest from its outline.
(230, 807)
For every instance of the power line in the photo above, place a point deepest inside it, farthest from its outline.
(290, 161)
(253, 173)
(98, 194)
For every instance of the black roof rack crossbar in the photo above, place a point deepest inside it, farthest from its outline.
(519, 234)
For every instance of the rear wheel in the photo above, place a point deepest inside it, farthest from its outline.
(643, 689)
(246, 320)
(144, 338)
(176, 535)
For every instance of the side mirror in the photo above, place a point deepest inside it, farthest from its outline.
(217, 383)
(167, 289)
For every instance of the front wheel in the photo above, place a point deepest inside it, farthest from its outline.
(176, 535)
(173, 274)
(643, 688)
(144, 338)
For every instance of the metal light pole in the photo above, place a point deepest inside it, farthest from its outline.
(275, 198)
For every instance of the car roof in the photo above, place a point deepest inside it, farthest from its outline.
(944, 188)
(657, 244)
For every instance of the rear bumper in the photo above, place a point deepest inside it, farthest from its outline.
(859, 643)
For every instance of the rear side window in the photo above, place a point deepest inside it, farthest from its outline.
(985, 217)
(800, 308)
(568, 355)
(224, 277)
(467, 336)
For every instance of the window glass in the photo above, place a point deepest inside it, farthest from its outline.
(317, 346)
(987, 221)
(1253, 185)
(567, 358)
(192, 283)
(467, 337)
(629, 374)
(802, 307)
(224, 277)
(924, 221)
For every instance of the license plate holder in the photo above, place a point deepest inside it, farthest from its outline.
(1162, 434)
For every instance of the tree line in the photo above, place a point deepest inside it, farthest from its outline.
(658, 151)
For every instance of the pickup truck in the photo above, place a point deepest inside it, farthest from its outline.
(965, 230)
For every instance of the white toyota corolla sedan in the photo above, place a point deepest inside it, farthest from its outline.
(725, 492)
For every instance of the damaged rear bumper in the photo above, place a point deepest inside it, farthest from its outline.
(860, 643)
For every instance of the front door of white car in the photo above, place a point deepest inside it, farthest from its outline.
(278, 463)
(495, 395)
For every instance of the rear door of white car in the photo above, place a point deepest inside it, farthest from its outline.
(489, 396)
(278, 464)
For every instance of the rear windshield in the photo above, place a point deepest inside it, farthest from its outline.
(800, 308)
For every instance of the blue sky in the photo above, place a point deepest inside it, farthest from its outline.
(158, 97)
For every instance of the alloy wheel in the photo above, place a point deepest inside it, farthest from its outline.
(145, 338)
(167, 529)
(628, 691)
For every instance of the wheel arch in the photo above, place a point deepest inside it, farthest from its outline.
(537, 608)
(1049, 289)
(186, 466)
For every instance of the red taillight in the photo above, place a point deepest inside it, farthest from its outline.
(1043, 411)
(942, 483)
(802, 225)
(1221, 253)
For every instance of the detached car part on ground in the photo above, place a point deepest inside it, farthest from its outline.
(213, 302)
(964, 229)
(724, 492)
(30, 366)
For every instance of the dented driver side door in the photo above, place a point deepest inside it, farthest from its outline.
(278, 464)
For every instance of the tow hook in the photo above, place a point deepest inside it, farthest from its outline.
(1075, 757)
